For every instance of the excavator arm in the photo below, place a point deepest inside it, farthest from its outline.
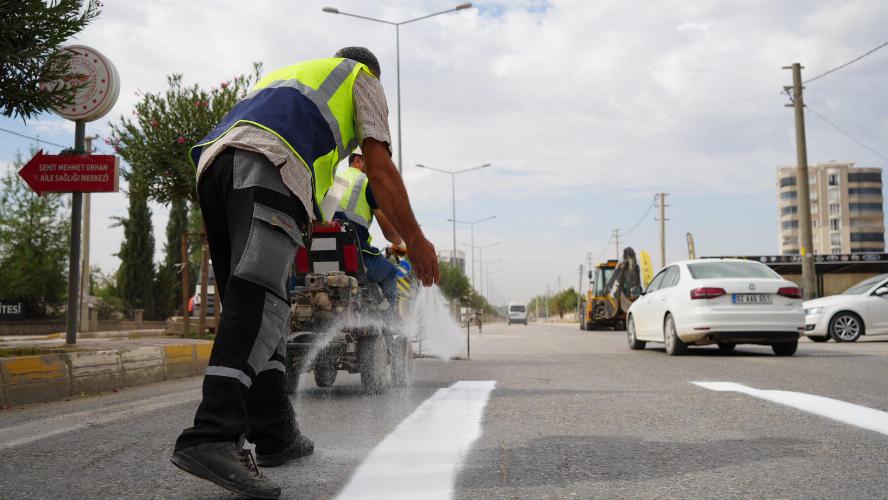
(619, 296)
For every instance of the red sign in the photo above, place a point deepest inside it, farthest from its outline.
(71, 173)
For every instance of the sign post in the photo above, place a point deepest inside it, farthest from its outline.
(77, 173)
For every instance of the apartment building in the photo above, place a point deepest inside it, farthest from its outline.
(847, 214)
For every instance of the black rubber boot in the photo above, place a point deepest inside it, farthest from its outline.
(228, 465)
(301, 447)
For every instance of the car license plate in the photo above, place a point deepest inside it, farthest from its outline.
(752, 298)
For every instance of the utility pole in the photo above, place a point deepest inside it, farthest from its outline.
(84, 325)
(663, 220)
(806, 243)
(580, 292)
(617, 241)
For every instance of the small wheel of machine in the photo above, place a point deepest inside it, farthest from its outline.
(786, 348)
(402, 362)
(845, 327)
(634, 343)
(674, 345)
(325, 376)
(726, 346)
(818, 338)
(292, 381)
(373, 362)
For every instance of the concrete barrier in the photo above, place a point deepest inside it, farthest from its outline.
(29, 379)
(95, 371)
(142, 365)
(178, 361)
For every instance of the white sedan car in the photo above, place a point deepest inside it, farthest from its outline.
(717, 301)
(859, 310)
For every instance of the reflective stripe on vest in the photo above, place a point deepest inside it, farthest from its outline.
(354, 204)
(310, 107)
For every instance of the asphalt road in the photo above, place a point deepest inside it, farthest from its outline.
(573, 415)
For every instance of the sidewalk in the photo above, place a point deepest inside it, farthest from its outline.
(43, 368)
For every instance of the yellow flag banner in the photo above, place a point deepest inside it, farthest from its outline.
(647, 269)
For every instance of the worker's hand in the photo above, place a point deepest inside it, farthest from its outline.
(424, 260)
(399, 250)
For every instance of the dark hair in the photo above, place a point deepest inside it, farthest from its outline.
(352, 157)
(361, 55)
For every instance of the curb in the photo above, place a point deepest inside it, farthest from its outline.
(48, 377)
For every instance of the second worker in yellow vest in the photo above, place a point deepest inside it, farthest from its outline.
(359, 206)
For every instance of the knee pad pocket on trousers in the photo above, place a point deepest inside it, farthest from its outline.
(272, 333)
(270, 249)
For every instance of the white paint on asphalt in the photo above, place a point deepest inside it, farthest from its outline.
(860, 416)
(36, 430)
(419, 459)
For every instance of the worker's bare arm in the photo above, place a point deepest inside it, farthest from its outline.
(388, 230)
(391, 195)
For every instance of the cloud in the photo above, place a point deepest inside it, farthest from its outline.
(584, 103)
(569, 221)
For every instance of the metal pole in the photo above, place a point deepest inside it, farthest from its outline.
(472, 232)
(74, 254)
(186, 327)
(617, 241)
(84, 258)
(806, 243)
(453, 185)
(204, 280)
(398, 87)
(662, 230)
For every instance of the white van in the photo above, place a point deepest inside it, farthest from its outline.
(517, 313)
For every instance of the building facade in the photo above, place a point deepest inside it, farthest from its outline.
(847, 214)
(460, 258)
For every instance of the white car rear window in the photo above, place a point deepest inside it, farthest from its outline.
(710, 270)
(519, 309)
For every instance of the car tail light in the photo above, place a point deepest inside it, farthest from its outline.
(350, 258)
(792, 292)
(302, 261)
(707, 293)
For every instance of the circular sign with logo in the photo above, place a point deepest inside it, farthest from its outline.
(102, 84)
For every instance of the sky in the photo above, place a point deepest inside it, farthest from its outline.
(584, 110)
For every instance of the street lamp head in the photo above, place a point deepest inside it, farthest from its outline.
(465, 5)
(331, 10)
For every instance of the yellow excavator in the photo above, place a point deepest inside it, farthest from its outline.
(614, 286)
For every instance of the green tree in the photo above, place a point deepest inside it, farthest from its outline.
(135, 277)
(156, 142)
(34, 234)
(168, 286)
(31, 33)
(454, 285)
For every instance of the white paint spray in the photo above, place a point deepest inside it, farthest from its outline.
(419, 459)
(430, 322)
(860, 416)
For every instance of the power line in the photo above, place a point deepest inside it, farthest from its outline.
(43, 141)
(32, 138)
(643, 217)
(847, 134)
(838, 128)
(852, 61)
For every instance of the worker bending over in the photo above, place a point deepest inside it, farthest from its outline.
(262, 174)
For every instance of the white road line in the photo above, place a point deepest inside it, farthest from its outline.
(420, 457)
(29, 432)
(861, 416)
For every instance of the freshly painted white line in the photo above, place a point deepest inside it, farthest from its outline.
(29, 432)
(861, 416)
(420, 457)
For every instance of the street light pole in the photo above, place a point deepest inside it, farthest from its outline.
(481, 260)
(471, 225)
(397, 25)
(453, 174)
